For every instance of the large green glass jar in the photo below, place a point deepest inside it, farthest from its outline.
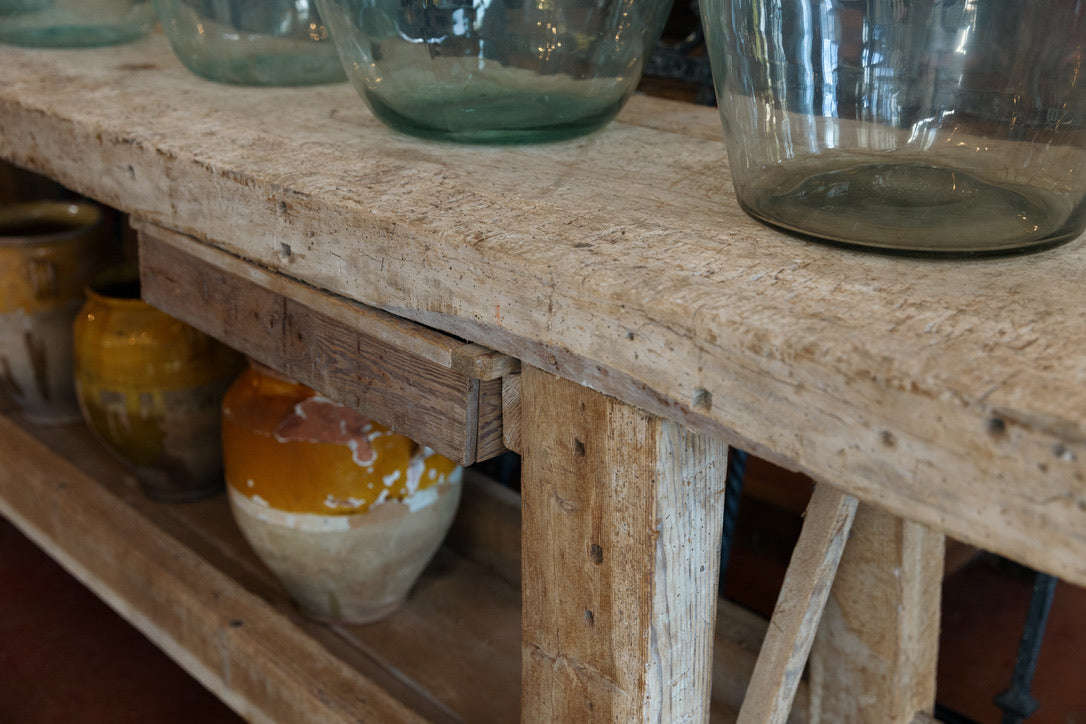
(251, 42)
(74, 23)
(953, 127)
(495, 70)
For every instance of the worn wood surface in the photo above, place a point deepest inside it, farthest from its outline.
(874, 657)
(948, 392)
(400, 374)
(621, 537)
(803, 595)
(227, 638)
(738, 642)
(511, 412)
(452, 653)
(488, 530)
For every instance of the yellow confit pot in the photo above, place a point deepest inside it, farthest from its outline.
(150, 387)
(344, 511)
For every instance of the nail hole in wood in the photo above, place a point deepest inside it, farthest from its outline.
(703, 399)
(284, 250)
(595, 552)
(589, 618)
(996, 426)
(578, 448)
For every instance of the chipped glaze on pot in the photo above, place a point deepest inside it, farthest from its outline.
(345, 512)
(151, 388)
(49, 251)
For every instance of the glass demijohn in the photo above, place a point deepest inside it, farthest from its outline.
(252, 42)
(74, 23)
(928, 125)
(495, 70)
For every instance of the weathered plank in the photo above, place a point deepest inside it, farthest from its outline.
(488, 530)
(511, 412)
(451, 653)
(230, 640)
(874, 657)
(738, 642)
(622, 522)
(799, 607)
(487, 526)
(396, 372)
(620, 261)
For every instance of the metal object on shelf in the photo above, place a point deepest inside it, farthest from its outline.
(1017, 702)
(733, 491)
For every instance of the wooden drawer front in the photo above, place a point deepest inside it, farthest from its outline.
(436, 389)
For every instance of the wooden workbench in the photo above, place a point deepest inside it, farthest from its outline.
(604, 307)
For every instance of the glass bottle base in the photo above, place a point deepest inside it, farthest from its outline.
(267, 69)
(71, 36)
(912, 207)
(505, 119)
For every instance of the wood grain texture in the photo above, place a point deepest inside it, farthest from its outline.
(363, 358)
(450, 654)
(622, 520)
(738, 642)
(511, 412)
(948, 392)
(874, 657)
(227, 638)
(488, 530)
(796, 616)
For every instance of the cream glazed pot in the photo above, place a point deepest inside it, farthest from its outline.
(345, 512)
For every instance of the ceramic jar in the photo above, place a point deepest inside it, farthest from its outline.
(150, 388)
(345, 512)
(49, 251)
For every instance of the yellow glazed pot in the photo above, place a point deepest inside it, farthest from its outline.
(49, 251)
(150, 388)
(345, 512)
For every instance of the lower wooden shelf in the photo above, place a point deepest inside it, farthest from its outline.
(183, 575)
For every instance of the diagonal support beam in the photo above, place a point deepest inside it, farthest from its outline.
(799, 607)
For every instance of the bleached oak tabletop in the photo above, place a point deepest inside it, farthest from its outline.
(951, 392)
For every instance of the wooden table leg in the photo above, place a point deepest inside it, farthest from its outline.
(874, 656)
(621, 544)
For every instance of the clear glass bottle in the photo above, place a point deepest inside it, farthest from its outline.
(929, 126)
(495, 70)
(251, 42)
(74, 23)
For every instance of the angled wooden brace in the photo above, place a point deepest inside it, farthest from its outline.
(799, 607)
